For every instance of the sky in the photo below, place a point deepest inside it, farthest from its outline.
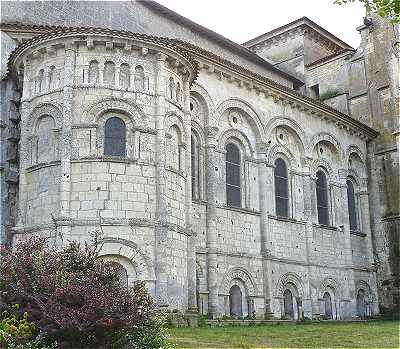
(243, 20)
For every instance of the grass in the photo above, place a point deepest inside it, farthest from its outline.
(382, 334)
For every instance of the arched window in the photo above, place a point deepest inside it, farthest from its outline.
(352, 206)
(195, 159)
(122, 273)
(52, 77)
(233, 188)
(46, 143)
(322, 198)
(178, 92)
(281, 188)
(328, 305)
(93, 72)
(124, 76)
(40, 81)
(109, 73)
(172, 87)
(115, 137)
(288, 304)
(139, 78)
(235, 301)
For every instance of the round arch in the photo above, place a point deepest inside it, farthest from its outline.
(129, 250)
(240, 274)
(40, 110)
(248, 112)
(284, 282)
(328, 138)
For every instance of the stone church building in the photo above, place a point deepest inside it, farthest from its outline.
(259, 179)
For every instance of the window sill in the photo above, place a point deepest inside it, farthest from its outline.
(109, 158)
(241, 210)
(327, 227)
(43, 165)
(357, 233)
(199, 202)
(286, 219)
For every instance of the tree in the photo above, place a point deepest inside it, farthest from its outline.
(70, 294)
(385, 8)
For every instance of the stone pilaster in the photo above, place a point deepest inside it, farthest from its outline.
(310, 217)
(211, 189)
(161, 230)
(265, 173)
(66, 135)
(365, 222)
(191, 240)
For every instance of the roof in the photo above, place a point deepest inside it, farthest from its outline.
(303, 21)
(220, 39)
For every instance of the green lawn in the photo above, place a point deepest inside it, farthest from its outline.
(382, 334)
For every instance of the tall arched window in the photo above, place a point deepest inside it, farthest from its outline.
(281, 188)
(322, 198)
(172, 88)
(235, 301)
(352, 206)
(233, 188)
(195, 167)
(109, 73)
(115, 137)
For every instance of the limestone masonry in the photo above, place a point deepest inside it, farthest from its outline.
(244, 180)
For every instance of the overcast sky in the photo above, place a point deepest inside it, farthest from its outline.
(244, 20)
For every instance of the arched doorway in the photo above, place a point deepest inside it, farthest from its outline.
(235, 301)
(121, 273)
(288, 304)
(361, 304)
(328, 305)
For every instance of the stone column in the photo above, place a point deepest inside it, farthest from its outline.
(365, 222)
(265, 174)
(161, 229)
(344, 224)
(310, 217)
(191, 240)
(211, 222)
(66, 136)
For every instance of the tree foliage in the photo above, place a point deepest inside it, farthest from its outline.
(385, 8)
(70, 294)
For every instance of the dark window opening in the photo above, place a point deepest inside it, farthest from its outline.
(233, 187)
(115, 137)
(314, 91)
(322, 198)
(281, 189)
(351, 200)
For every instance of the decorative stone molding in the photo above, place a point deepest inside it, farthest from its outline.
(241, 274)
(280, 121)
(248, 113)
(330, 282)
(364, 286)
(326, 137)
(285, 280)
(51, 109)
(128, 249)
(277, 150)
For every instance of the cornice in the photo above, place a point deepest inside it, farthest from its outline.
(224, 69)
(85, 33)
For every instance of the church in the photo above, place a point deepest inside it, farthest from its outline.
(253, 180)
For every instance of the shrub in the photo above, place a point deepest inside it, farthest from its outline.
(70, 294)
(328, 94)
(152, 334)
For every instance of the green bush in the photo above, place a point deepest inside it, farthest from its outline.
(152, 334)
(328, 94)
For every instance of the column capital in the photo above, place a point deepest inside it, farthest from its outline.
(211, 132)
